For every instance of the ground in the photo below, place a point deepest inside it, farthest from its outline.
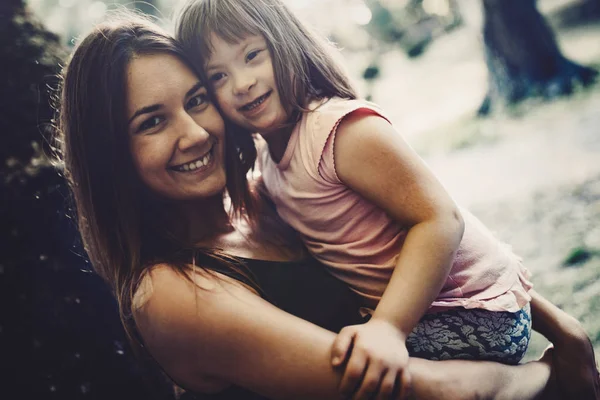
(531, 173)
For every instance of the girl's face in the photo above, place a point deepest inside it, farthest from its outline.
(244, 83)
(176, 135)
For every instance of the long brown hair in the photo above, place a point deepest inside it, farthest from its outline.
(304, 63)
(118, 225)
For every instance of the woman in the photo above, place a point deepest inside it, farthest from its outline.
(149, 159)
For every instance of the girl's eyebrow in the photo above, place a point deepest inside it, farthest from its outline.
(244, 44)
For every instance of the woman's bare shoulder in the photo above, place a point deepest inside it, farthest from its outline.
(211, 328)
(168, 295)
(174, 312)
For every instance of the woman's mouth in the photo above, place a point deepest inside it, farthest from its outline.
(198, 163)
(257, 102)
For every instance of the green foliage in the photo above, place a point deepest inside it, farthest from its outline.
(577, 256)
(371, 72)
(30, 63)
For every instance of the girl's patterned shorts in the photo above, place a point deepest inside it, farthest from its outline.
(473, 335)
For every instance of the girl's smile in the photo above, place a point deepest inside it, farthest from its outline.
(244, 83)
(254, 107)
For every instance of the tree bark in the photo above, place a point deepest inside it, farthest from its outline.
(523, 57)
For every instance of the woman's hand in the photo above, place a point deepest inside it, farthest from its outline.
(377, 361)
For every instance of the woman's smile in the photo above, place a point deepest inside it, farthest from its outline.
(200, 164)
(177, 135)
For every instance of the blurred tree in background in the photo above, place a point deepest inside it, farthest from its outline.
(413, 25)
(60, 328)
(149, 7)
(523, 57)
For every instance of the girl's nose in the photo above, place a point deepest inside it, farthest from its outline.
(242, 83)
(191, 135)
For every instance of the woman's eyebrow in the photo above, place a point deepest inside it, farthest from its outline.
(194, 89)
(144, 110)
(154, 107)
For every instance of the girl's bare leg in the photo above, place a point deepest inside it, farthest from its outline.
(574, 361)
(466, 380)
(567, 371)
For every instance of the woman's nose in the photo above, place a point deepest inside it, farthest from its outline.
(191, 134)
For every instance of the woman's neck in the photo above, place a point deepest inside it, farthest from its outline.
(208, 223)
(200, 221)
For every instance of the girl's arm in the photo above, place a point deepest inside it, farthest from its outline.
(219, 332)
(372, 159)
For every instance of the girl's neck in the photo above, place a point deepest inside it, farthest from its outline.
(278, 140)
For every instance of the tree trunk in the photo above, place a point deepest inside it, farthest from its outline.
(523, 57)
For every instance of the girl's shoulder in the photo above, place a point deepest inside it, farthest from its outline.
(326, 114)
(335, 105)
(319, 126)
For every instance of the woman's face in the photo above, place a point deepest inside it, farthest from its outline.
(176, 134)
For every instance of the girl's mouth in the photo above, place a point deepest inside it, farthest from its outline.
(198, 163)
(257, 102)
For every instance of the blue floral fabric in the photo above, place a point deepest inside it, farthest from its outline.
(472, 335)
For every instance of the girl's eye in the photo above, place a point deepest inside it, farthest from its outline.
(217, 77)
(197, 101)
(149, 123)
(252, 55)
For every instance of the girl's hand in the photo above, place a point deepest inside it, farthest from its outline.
(377, 361)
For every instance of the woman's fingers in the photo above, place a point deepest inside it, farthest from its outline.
(353, 373)
(341, 346)
(405, 385)
(370, 382)
(388, 386)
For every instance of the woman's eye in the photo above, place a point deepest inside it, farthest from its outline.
(149, 123)
(252, 55)
(197, 100)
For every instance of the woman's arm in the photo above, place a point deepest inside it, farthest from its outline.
(219, 331)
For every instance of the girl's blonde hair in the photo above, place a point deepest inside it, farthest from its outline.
(304, 63)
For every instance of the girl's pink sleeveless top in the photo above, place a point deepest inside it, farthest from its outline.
(358, 242)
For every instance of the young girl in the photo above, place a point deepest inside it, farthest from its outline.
(433, 278)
